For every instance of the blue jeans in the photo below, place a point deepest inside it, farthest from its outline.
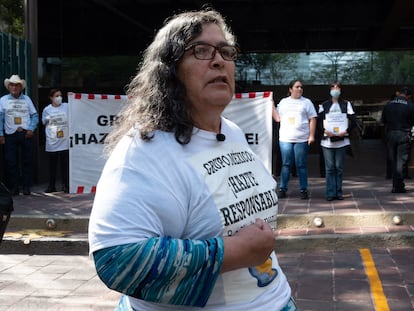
(334, 169)
(297, 152)
(13, 144)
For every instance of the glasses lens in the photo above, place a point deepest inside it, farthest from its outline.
(228, 52)
(203, 51)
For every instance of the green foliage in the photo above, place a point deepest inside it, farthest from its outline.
(12, 17)
(395, 67)
(272, 67)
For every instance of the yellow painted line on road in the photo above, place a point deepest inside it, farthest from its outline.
(380, 301)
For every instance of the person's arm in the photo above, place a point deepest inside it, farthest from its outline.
(162, 269)
(312, 128)
(45, 117)
(275, 115)
(181, 272)
(34, 120)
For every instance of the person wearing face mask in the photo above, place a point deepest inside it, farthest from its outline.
(336, 117)
(55, 120)
(18, 121)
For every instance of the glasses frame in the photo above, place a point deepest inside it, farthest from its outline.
(213, 54)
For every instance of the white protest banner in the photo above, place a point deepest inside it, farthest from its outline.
(252, 112)
(90, 119)
(91, 116)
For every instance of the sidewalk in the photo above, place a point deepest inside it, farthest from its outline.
(323, 280)
(41, 283)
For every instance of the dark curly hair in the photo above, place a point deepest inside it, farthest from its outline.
(156, 97)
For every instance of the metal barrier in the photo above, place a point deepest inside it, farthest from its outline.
(15, 58)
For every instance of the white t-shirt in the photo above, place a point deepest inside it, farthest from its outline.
(16, 112)
(294, 119)
(55, 120)
(162, 188)
(336, 109)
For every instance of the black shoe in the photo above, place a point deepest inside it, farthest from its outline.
(304, 195)
(340, 197)
(26, 191)
(330, 198)
(50, 190)
(15, 191)
(281, 194)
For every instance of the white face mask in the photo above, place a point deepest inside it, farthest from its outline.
(58, 100)
(335, 93)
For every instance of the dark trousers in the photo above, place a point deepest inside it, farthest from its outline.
(13, 144)
(54, 158)
(398, 149)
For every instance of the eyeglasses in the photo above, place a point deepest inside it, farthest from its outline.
(205, 51)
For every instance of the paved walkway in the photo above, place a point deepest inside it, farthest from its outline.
(323, 280)
(325, 272)
(40, 283)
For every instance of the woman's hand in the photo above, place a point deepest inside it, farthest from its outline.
(251, 246)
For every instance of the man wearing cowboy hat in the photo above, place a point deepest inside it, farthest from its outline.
(18, 121)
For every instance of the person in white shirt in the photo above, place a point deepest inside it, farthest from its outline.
(184, 212)
(297, 117)
(18, 121)
(55, 120)
(336, 118)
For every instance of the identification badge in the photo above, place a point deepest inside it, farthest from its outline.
(17, 120)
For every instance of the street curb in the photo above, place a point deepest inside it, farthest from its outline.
(343, 220)
(45, 246)
(334, 242)
(48, 222)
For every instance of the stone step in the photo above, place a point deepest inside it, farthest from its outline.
(344, 220)
(285, 221)
(47, 222)
(289, 240)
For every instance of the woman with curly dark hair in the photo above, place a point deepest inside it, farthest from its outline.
(184, 212)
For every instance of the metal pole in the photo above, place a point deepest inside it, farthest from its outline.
(31, 30)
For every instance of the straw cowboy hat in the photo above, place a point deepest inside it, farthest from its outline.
(16, 80)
